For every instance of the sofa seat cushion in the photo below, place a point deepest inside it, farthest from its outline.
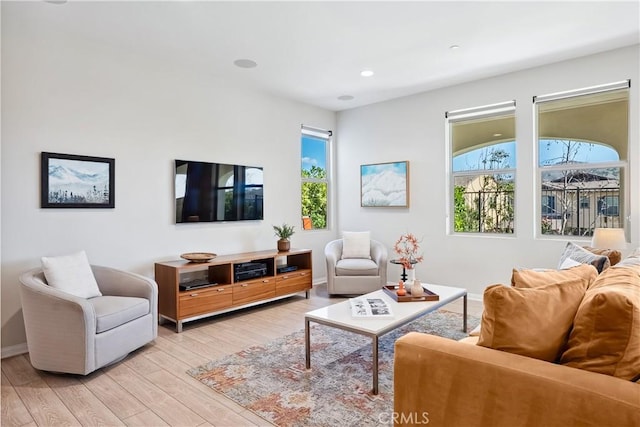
(356, 267)
(113, 311)
(472, 339)
(533, 322)
(606, 334)
(530, 278)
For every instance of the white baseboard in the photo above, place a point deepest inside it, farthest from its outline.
(474, 297)
(320, 281)
(14, 350)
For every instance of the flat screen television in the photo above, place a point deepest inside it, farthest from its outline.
(210, 192)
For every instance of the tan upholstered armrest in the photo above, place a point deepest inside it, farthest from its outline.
(459, 384)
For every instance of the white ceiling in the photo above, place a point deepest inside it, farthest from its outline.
(313, 52)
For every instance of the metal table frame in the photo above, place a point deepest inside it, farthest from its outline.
(374, 337)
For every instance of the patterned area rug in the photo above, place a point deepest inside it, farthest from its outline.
(272, 381)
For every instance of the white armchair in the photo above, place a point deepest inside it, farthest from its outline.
(70, 334)
(355, 276)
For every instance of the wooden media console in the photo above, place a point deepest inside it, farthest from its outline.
(221, 292)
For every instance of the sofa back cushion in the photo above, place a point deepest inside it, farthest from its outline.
(614, 255)
(529, 278)
(533, 322)
(606, 334)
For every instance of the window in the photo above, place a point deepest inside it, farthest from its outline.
(584, 202)
(548, 204)
(582, 157)
(482, 146)
(315, 177)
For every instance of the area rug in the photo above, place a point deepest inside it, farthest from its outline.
(272, 382)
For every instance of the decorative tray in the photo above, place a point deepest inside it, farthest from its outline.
(198, 256)
(428, 295)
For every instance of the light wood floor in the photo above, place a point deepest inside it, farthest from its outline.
(150, 387)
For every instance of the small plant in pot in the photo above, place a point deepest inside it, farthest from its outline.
(283, 232)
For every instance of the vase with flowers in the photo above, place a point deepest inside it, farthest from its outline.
(408, 248)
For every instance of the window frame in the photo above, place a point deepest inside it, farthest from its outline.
(622, 165)
(327, 136)
(451, 117)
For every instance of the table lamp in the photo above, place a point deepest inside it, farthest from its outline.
(609, 238)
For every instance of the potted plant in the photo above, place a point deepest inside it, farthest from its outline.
(283, 232)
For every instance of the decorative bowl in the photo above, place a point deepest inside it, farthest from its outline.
(198, 256)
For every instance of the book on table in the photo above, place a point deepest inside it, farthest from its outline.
(370, 307)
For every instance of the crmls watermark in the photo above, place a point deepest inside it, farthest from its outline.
(411, 418)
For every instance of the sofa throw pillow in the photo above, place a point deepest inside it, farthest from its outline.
(632, 260)
(356, 244)
(532, 322)
(568, 263)
(606, 333)
(614, 255)
(71, 274)
(525, 278)
(576, 253)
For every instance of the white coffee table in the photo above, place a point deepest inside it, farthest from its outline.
(339, 316)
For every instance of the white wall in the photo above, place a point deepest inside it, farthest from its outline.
(413, 128)
(70, 96)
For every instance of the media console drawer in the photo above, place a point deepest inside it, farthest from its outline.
(200, 301)
(254, 290)
(295, 281)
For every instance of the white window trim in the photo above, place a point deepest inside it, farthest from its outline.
(328, 136)
(461, 115)
(623, 165)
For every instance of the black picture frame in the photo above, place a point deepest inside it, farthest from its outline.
(74, 181)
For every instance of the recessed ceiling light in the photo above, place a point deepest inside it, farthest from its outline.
(366, 73)
(454, 47)
(345, 97)
(245, 63)
(497, 134)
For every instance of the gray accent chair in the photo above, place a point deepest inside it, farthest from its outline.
(75, 335)
(355, 276)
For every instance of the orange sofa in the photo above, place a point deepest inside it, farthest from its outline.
(441, 382)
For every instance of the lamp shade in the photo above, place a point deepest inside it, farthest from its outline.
(608, 238)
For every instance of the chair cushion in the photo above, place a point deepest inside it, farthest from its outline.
(113, 311)
(71, 274)
(606, 333)
(533, 322)
(528, 278)
(356, 267)
(576, 253)
(356, 244)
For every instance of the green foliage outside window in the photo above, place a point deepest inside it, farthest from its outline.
(314, 196)
(465, 216)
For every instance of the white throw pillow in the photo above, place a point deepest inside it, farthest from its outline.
(71, 274)
(569, 263)
(356, 244)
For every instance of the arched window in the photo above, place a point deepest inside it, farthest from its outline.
(483, 156)
(582, 158)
